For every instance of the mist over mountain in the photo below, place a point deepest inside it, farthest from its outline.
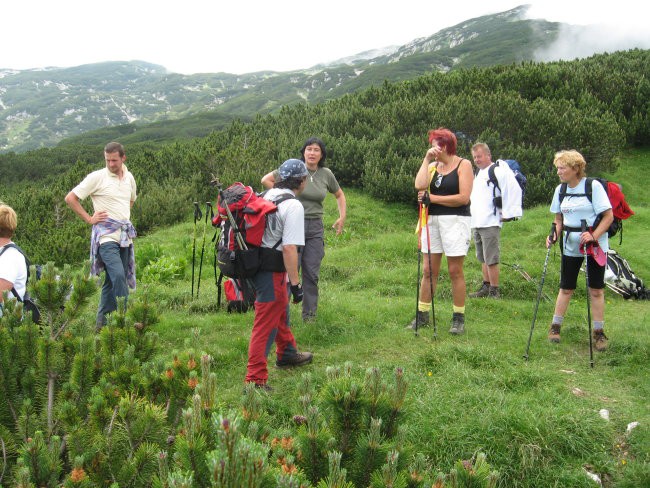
(41, 107)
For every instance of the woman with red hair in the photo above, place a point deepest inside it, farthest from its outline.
(444, 183)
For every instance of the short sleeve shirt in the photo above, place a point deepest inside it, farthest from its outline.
(109, 193)
(319, 184)
(575, 209)
(287, 224)
(13, 269)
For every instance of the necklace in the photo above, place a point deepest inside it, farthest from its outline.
(311, 175)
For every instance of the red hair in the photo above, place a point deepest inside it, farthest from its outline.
(445, 139)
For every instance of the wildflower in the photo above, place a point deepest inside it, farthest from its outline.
(192, 382)
(138, 326)
(623, 462)
(169, 373)
(429, 373)
(77, 475)
(191, 364)
(176, 362)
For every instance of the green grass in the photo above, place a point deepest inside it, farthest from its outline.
(537, 421)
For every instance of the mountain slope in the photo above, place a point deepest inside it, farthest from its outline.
(41, 107)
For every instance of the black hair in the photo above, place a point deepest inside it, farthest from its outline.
(291, 183)
(323, 149)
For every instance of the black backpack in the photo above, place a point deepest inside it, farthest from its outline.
(620, 278)
(29, 305)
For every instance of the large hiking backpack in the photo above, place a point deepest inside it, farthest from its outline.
(513, 166)
(249, 211)
(620, 208)
(29, 304)
(620, 278)
(238, 245)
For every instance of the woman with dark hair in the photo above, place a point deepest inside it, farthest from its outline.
(444, 183)
(320, 182)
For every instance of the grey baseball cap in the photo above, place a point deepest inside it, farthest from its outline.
(292, 168)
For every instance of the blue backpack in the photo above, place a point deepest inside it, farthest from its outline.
(516, 169)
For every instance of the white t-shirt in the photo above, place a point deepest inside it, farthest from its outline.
(13, 269)
(287, 223)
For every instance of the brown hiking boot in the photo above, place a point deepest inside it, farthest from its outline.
(599, 339)
(457, 324)
(554, 333)
(494, 292)
(422, 319)
(299, 359)
(482, 292)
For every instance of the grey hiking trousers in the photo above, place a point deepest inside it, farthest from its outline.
(311, 257)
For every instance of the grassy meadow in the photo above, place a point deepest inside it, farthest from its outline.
(538, 421)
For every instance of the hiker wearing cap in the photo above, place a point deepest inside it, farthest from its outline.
(569, 214)
(112, 191)
(444, 184)
(13, 268)
(278, 276)
(488, 217)
(320, 182)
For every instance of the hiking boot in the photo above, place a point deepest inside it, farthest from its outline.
(554, 333)
(258, 386)
(482, 292)
(422, 319)
(599, 339)
(494, 292)
(299, 359)
(457, 324)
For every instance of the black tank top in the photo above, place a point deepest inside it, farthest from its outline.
(447, 185)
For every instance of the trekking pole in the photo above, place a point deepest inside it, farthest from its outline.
(552, 237)
(433, 306)
(417, 288)
(197, 216)
(208, 205)
(583, 226)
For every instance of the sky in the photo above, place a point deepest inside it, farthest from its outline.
(243, 36)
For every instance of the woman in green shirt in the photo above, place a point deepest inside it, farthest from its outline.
(320, 182)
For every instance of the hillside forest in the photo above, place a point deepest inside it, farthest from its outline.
(376, 139)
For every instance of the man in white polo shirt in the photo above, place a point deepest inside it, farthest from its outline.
(112, 191)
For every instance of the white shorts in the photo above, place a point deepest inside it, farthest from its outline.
(448, 234)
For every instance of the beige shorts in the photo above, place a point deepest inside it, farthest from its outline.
(448, 234)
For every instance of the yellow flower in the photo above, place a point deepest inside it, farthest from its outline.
(429, 373)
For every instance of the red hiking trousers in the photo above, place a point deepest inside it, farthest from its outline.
(271, 324)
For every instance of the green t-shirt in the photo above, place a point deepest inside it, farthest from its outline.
(318, 185)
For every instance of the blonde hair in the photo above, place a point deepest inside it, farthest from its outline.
(8, 221)
(483, 146)
(571, 159)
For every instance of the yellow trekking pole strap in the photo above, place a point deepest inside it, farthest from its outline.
(424, 209)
